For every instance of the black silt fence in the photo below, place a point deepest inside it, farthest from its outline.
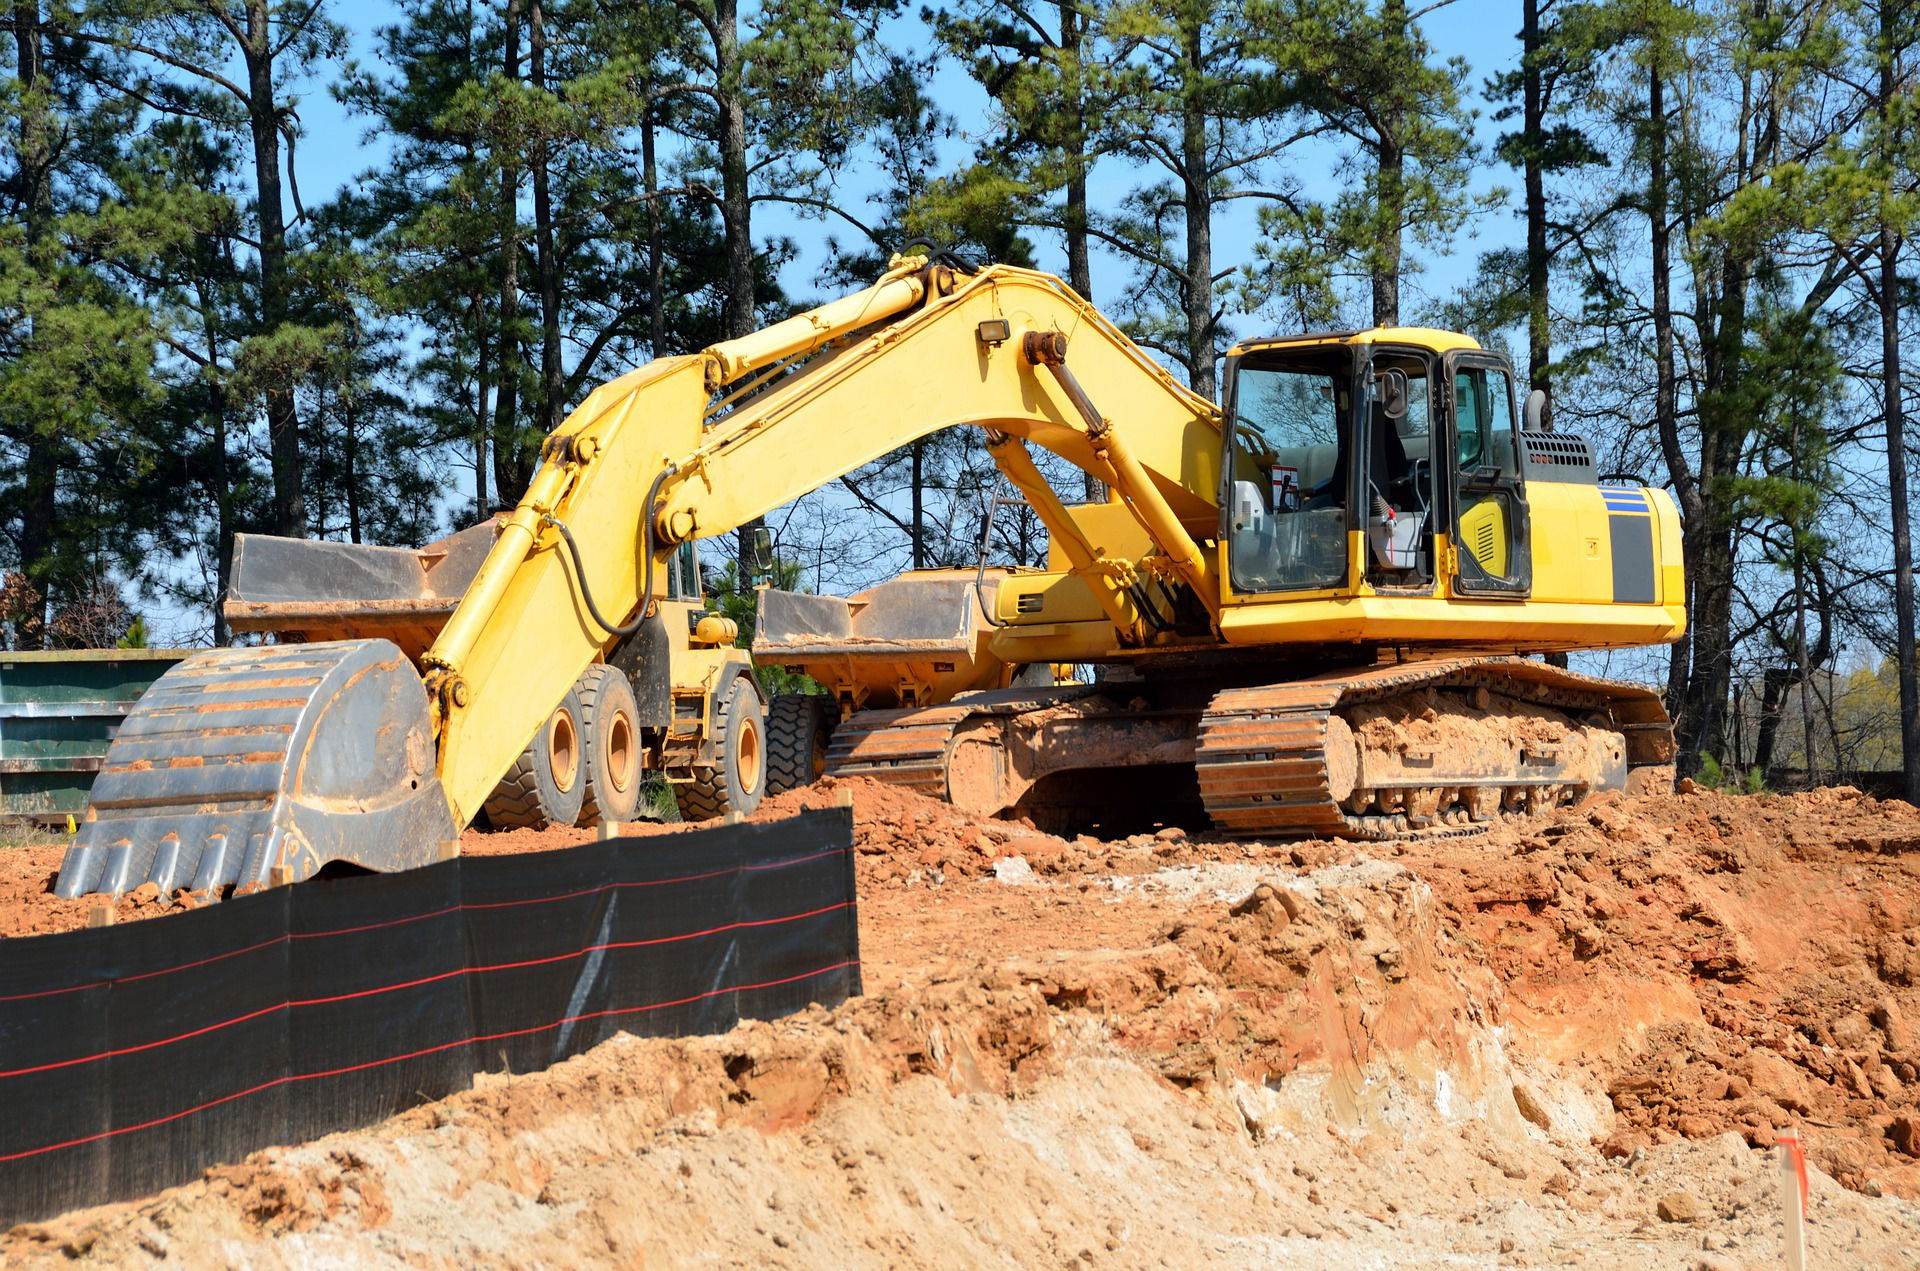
(133, 1057)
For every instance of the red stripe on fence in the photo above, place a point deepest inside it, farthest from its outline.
(422, 1053)
(237, 1020)
(401, 922)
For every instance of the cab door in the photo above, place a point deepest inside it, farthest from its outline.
(1488, 524)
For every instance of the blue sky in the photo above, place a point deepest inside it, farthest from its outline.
(1484, 32)
(335, 149)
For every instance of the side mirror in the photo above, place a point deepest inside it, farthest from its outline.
(762, 551)
(1391, 387)
(1535, 411)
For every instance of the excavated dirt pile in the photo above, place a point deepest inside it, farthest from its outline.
(1571, 1041)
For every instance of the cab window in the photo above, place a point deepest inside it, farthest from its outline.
(1288, 497)
(683, 573)
(1483, 413)
(1489, 527)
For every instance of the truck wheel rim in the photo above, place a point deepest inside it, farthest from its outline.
(563, 750)
(620, 753)
(747, 757)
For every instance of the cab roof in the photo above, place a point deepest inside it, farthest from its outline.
(1421, 337)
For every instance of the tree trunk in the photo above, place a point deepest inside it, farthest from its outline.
(656, 253)
(41, 504)
(736, 215)
(263, 118)
(511, 469)
(1072, 47)
(482, 421)
(1666, 396)
(1903, 607)
(735, 206)
(1890, 403)
(1539, 346)
(1197, 287)
(1724, 426)
(1392, 195)
(552, 383)
(218, 478)
(350, 457)
(1079, 258)
(917, 482)
(1391, 191)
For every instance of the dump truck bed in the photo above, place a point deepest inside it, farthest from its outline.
(313, 591)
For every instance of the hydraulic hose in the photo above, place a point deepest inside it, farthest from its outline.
(646, 555)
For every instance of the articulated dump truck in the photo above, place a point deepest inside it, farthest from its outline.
(1309, 609)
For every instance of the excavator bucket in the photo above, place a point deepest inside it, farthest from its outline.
(239, 763)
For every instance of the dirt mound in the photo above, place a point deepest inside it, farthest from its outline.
(28, 906)
(1239, 1062)
(1566, 1035)
(1723, 963)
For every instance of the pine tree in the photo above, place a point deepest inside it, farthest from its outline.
(1039, 63)
(1560, 44)
(1367, 77)
(80, 223)
(1195, 104)
(187, 49)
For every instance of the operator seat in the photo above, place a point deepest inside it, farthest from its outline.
(1389, 457)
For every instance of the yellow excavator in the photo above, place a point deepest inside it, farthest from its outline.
(1309, 608)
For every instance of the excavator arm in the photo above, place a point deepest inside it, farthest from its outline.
(257, 764)
(694, 447)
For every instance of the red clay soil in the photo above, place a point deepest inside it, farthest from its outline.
(1713, 963)
(1184, 1050)
(28, 906)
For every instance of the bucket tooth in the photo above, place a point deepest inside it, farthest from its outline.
(113, 874)
(166, 863)
(240, 762)
(212, 864)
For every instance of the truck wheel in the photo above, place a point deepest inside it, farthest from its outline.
(612, 750)
(737, 781)
(546, 784)
(798, 726)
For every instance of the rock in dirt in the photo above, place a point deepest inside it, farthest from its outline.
(1681, 1207)
(1531, 1108)
(1905, 1133)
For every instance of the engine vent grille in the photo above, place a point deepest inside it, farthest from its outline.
(1484, 543)
(1558, 456)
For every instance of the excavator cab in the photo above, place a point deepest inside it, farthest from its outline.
(1361, 458)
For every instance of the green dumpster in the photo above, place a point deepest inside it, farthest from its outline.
(58, 711)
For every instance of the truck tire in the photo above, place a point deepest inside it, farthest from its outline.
(739, 779)
(609, 724)
(798, 726)
(546, 784)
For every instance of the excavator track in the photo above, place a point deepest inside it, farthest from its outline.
(1287, 761)
(1412, 750)
(913, 748)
